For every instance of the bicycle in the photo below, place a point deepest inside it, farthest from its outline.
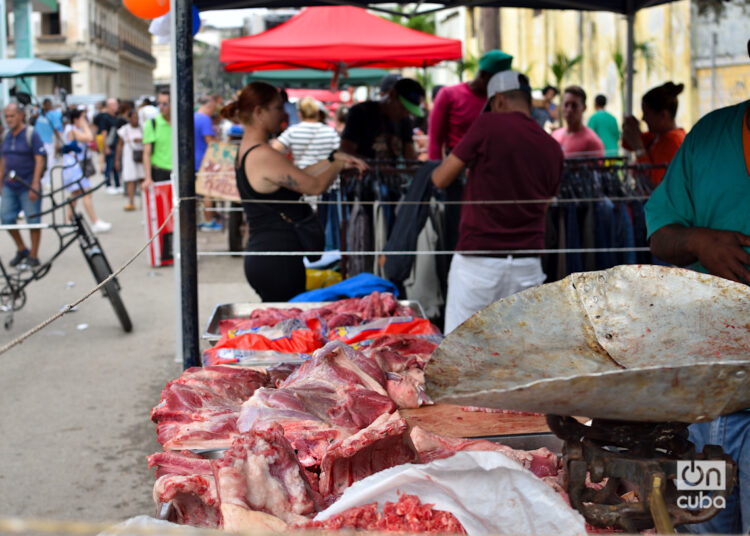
(74, 228)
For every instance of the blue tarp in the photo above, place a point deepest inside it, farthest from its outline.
(356, 287)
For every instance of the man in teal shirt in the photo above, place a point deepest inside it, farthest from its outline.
(605, 126)
(698, 216)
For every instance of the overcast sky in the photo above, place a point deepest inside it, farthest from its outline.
(227, 18)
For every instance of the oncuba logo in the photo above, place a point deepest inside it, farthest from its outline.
(700, 476)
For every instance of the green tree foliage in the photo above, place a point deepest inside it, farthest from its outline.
(421, 23)
(643, 50)
(561, 68)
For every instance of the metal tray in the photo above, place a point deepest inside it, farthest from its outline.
(639, 343)
(528, 441)
(224, 311)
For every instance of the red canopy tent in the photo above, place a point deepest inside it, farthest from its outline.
(329, 38)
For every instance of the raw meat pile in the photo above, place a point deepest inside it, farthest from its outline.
(407, 515)
(349, 312)
(267, 333)
(296, 436)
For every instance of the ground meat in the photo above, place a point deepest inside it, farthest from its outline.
(407, 515)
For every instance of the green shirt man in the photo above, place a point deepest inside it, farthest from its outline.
(157, 144)
(605, 126)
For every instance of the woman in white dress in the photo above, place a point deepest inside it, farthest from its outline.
(131, 171)
(76, 184)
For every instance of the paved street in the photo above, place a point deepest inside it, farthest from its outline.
(76, 397)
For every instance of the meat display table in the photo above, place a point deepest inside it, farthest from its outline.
(527, 432)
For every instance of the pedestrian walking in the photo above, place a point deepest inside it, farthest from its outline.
(21, 167)
(660, 144)
(129, 157)
(204, 134)
(77, 135)
(50, 128)
(309, 141)
(157, 144)
(576, 139)
(605, 125)
(108, 128)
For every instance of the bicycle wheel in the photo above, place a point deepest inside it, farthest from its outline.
(110, 290)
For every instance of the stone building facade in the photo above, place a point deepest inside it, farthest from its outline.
(107, 46)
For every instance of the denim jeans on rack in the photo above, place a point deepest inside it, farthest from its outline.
(624, 237)
(573, 239)
(604, 234)
(639, 232)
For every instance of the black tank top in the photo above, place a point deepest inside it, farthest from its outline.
(268, 214)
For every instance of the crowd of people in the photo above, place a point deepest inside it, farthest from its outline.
(494, 141)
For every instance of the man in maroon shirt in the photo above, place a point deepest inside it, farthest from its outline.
(456, 107)
(510, 158)
(454, 110)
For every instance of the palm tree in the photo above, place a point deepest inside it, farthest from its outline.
(561, 68)
(421, 23)
(643, 50)
(469, 66)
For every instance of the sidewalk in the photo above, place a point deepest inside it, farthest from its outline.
(76, 397)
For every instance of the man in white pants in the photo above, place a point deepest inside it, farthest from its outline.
(510, 158)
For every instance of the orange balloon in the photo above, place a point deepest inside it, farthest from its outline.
(147, 9)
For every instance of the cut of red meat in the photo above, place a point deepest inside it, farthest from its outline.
(326, 399)
(200, 408)
(542, 462)
(261, 472)
(408, 515)
(193, 497)
(405, 344)
(279, 373)
(269, 316)
(179, 463)
(186, 480)
(347, 312)
(383, 444)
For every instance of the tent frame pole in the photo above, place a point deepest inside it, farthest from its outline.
(183, 177)
(630, 19)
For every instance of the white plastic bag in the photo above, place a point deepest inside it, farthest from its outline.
(487, 492)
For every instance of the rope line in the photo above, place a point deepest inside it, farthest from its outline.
(431, 202)
(66, 309)
(503, 253)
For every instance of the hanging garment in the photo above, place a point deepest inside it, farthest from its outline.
(410, 220)
(423, 284)
(359, 238)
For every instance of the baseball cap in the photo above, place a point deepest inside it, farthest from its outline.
(506, 81)
(388, 81)
(495, 61)
(410, 93)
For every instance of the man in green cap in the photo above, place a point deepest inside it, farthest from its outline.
(453, 112)
(380, 129)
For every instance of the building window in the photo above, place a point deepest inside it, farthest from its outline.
(51, 23)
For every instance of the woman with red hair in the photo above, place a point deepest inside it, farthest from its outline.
(271, 187)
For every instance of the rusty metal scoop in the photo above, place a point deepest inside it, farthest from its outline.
(635, 343)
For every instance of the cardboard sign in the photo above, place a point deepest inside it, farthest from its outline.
(215, 177)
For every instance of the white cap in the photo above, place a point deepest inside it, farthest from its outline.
(506, 81)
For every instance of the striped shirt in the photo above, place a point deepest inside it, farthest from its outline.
(309, 142)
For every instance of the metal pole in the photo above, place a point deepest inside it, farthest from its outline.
(630, 17)
(183, 174)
